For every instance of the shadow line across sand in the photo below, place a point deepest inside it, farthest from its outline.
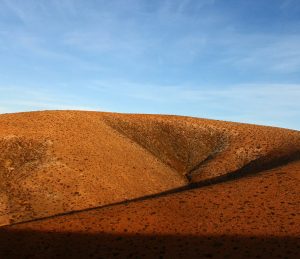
(253, 168)
(37, 244)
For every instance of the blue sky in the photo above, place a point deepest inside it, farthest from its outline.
(236, 60)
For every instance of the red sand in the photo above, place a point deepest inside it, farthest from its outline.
(256, 217)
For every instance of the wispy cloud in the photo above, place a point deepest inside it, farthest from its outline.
(272, 53)
(262, 103)
(289, 4)
(173, 33)
(190, 92)
(17, 10)
(33, 98)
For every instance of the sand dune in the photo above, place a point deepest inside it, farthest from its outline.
(203, 149)
(59, 161)
(253, 217)
(176, 182)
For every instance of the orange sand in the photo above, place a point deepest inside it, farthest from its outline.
(202, 188)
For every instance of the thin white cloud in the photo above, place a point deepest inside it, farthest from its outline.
(17, 10)
(4, 110)
(174, 38)
(272, 104)
(169, 93)
(269, 53)
(31, 98)
(289, 4)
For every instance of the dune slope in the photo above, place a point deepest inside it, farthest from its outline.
(55, 162)
(252, 217)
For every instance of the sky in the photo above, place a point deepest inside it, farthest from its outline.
(236, 60)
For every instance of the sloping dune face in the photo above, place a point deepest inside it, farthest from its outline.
(19, 157)
(61, 161)
(179, 143)
(251, 217)
(205, 149)
(55, 162)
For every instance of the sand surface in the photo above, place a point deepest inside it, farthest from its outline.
(253, 217)
(181, 186)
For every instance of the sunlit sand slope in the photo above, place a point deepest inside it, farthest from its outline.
(53, 162)
(56, 162)
(253, 217)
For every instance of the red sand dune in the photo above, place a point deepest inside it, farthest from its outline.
(201, 187)
(252, 217)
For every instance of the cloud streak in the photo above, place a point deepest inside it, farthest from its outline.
(33, 98)
(272, 104)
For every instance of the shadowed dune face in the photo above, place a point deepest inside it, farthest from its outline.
(61, 161)
(181, 144)
(205, 149)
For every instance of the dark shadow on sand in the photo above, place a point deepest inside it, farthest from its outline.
(33, 244)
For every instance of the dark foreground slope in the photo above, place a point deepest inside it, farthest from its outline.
(57, 162)
(252, 217)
